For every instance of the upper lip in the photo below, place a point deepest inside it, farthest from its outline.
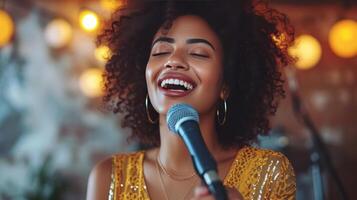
(172, 75)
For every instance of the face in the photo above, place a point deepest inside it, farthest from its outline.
(185, 66)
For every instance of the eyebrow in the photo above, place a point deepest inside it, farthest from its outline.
(188, 41)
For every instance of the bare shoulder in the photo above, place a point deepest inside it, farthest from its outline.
(99, 180)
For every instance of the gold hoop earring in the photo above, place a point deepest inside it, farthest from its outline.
(221, 122)
(147, 110)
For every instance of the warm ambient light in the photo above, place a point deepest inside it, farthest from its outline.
(91, 82)
(343, 38)
(58, 33)
(6, 28)
(279, 40)
(307, 50)
(89, 20)
(102, 53)
(111, 5)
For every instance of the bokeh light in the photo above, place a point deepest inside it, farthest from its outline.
(58, 33)
(111, 5)
(89, 20)
(91, 82)
(307, 50)
(343, 38)
(7, 28)
(102, 53)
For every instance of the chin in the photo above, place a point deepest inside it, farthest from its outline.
(164, 106)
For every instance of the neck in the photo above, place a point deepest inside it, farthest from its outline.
(173, 153)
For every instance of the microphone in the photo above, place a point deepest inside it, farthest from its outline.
(293, 88)
(182, 119)
(292, 82)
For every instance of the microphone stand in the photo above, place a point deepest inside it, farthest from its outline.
(319, 155)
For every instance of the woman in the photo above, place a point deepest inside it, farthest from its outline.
(222, 58)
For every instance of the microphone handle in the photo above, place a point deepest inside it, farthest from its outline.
(218, 190)
(204, 163)
(215, 185)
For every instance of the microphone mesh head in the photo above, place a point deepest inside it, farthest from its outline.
(180, 113)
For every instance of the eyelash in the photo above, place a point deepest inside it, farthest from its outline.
(200, 55)
(159, 54)
(193, 54)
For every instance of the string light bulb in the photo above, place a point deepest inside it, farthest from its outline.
(343, 38)
(102, 53)
(7, 28)
(91, 82)
(111, 5)
(307, 50)
(89, 20)
(58, 33)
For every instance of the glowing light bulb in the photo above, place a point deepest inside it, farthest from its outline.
(7, 28)
(89, 20)
(111, 5)
(102, 53)
(343, 38)
(58, 33)
(91, 82)
(307, 50)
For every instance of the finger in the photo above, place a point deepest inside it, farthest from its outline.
(210, 197)
(201, 191)
(205, 197)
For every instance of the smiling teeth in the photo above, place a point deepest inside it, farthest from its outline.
(187, 85)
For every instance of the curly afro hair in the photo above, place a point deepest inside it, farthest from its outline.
(255, 40)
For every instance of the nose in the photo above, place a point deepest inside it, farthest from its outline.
(176, 61)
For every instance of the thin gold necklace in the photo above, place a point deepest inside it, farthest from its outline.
(163, 187)
(161, 182)
(171, 175)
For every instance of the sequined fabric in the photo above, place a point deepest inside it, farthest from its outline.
(128, 181)
(257, 174)
(262, 174)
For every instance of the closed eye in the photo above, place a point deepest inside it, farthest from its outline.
(160, 53)
(199, 55)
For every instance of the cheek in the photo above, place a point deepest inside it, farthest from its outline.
(150, 73)
(212, 77)
(211, 86)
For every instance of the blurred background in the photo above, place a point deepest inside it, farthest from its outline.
(53, 127)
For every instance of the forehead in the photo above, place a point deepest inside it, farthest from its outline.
(190, 26)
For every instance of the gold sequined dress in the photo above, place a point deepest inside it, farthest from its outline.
(256, 173)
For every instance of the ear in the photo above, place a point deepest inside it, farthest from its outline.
(225, 91)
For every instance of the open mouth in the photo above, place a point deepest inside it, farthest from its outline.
(176, 84)
(173, 84)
